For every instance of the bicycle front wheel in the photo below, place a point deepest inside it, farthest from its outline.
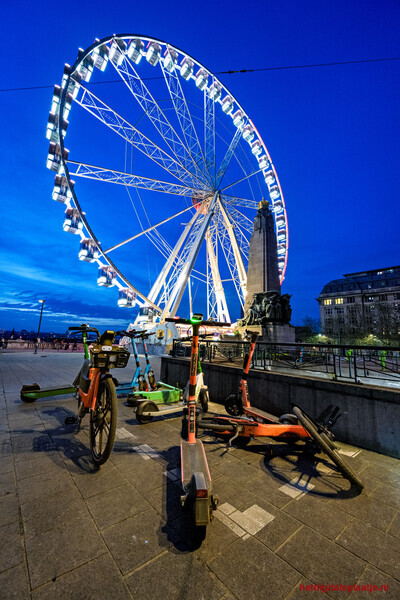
(103, 422)
(324, 444)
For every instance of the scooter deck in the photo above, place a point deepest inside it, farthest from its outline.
(257, 413)
(34, 391)
(164, 394)
(193, 460)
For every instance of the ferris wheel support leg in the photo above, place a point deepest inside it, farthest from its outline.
(236, 251)
(176, 295)
(222, 313)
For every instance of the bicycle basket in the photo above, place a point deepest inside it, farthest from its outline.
(112, 358)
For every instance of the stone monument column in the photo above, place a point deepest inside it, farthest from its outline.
(262, 271)
(266, 310)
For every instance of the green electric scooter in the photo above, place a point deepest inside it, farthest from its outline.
(164, 399)
(31, 392)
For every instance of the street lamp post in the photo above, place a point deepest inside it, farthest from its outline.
(40, 322)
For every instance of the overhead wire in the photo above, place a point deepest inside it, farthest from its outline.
(228, 72)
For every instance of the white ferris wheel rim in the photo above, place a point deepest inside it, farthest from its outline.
(87, 231)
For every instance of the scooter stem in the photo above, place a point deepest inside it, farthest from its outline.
(191, 402)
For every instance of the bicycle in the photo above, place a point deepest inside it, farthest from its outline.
(96, 390)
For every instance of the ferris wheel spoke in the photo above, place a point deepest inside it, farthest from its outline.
(184, 117)
(242, 179)
(209, 133)
(131, 180)
(157, 117)
(243, 202)
(104, 113)
(239, 218)
(145, 231)
(228, 155)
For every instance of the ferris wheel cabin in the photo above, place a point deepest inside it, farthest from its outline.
(62, 191)
(54, 157)
(88, 250)
(146, 315)
(72, 222)
(135, 51)
(153, 53)
(106, 276)
(100, 56)
(126, 298)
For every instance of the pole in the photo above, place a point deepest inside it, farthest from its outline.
(40, 322)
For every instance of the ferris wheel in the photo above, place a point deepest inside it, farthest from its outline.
(188, 169)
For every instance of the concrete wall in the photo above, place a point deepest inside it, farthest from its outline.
(371, 415)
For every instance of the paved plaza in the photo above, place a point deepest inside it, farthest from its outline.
(68, 531)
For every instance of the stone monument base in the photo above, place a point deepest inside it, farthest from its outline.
(274, 333)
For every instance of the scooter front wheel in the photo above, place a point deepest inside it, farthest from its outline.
(234, 405)
(145, 407)
(322, 441)
(103, 422)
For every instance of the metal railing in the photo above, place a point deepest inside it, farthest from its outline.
(345, 362)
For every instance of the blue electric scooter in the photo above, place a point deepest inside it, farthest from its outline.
(138, 382)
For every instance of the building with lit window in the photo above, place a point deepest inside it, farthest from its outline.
(362, 303)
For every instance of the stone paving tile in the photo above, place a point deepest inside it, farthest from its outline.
(9, 512)
(250, 570)
(43, 484)
(380, 472)
(324, 518)
(237, 470)
(147, 475)
(321, 560)
(178, 576)
(113, 506)
(136, 540)
(367, 509)
(388, 495)
(5, 448)
(7, 483)
(6, 464)
(99, 481)
(48, 461)
(394, 528)
(372, 576)
(98, 579)
(278, 529)
(59, 550)
(372, 545)
(11, 552)
(53, 511)
(166, 499)
(14, 584)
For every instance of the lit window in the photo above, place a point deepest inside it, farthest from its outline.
(327, 302)
(338, 300)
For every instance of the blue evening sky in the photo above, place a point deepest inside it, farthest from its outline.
(332, 133)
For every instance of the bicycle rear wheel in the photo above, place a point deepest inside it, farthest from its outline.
(323, 442)
(103, 422)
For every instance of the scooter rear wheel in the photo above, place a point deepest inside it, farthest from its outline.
(203, 400)
(145, 407)
(322, 441)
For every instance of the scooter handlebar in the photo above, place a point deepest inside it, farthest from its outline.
(201, 323)
(133, 334)
(85, 328)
